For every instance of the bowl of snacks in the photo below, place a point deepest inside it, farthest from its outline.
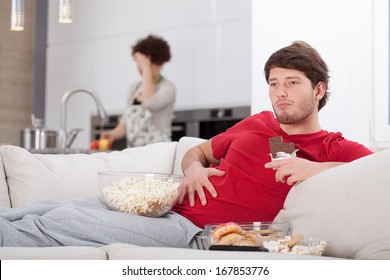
(243, 236)
(140, 193)
(296, 244)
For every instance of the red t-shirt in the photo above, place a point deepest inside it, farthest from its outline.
(248, 191)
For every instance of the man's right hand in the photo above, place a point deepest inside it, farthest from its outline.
(197, 178)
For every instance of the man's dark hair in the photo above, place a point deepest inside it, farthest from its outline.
(154, 47)
(302, 57)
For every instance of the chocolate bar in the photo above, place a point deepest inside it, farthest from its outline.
(277, 146)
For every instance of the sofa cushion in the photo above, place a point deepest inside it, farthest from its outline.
(121, 251)
(37, 176)
(184, 144)
(4, 197)
(52, 253)
(348, 205)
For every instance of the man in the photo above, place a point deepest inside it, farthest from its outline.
(242, 184)
(229, 178)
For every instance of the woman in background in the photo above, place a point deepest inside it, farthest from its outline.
(148, 116)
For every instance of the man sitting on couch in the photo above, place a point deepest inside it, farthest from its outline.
(232, 173)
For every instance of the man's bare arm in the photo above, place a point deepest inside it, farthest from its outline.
(195, 167)
(201, 153)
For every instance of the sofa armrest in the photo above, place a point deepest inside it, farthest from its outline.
(348, 206)
(4, 195)
(184, 144)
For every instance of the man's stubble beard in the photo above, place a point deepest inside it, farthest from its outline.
(303, 111)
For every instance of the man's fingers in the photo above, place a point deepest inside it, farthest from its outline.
(201, 195)
(208, 185)
(286, 173)
(211, 189)
(182, 193)
(181, 198)
(196, 187)
(191, 196)
(292, 180)
(216, 172)
(277, 163)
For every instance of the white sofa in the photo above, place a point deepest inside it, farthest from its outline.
(349, 206)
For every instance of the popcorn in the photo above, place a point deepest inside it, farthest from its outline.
(150, 197)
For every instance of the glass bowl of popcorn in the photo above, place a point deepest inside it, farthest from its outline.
(140, 193)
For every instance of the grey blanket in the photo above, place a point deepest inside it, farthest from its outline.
(88, 222)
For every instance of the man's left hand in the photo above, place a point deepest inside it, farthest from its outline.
(295, 170)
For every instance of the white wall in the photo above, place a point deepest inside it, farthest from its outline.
(219, 48)
(210, 42)
(352, 36)
(381, 107)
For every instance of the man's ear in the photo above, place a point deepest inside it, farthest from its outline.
(320, 89)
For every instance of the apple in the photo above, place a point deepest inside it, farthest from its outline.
(94, 145)
(104, 144)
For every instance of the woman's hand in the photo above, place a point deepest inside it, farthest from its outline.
(295, 170)
(197, 178)
(107, 135)
(145, 67)
(143, 61)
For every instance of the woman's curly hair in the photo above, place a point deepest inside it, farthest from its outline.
(154, 47)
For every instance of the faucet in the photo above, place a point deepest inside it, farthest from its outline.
(65, 138)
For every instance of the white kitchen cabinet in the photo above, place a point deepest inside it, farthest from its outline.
(222, 65)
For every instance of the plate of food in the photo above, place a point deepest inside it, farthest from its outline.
(243, 236)
(266, 236)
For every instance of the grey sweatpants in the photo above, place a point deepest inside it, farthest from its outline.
(88, 222)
